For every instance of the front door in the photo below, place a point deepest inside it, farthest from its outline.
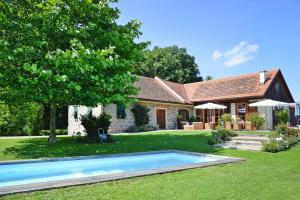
(161, 118)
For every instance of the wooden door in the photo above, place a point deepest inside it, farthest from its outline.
(161, 118)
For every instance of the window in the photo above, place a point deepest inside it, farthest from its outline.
(184, 114)
(75, 114)
(121, 111)
(241, 111)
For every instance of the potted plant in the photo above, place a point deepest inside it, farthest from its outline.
(256, 120)
(226, 118)
(179, 120)
(192, 119)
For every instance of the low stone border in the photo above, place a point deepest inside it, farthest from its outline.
(110, 177)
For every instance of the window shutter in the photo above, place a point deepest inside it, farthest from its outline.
(121, 111)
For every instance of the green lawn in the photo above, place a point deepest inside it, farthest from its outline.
(261, 176)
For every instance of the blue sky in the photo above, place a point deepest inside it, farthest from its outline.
(227, 37)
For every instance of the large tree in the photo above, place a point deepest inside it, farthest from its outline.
(62, 52)
(170, 63)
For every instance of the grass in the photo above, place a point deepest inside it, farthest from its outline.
(262, 176)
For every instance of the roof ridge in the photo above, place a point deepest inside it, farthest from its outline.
(169, 89)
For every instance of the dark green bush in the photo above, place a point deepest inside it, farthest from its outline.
(144, 128)
(140, 113)
(92, 123)
(21, 119)
(58, 132)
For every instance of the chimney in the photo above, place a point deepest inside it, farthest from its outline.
(262, 77)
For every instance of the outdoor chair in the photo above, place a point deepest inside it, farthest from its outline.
(187, 127)
(237, 126)
(183, 123)
(248, 126)
(211, 125)
(197, 126)
(228, 125)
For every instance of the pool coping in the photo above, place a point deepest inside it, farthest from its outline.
(110, 177)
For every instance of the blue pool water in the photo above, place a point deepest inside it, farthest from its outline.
(35, 172)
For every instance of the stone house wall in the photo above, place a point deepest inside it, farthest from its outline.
(121, 125)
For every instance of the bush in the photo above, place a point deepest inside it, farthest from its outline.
(282, 129)
(92, 123)
(144, 128)
(226, 117)
(192, 119)
(220, 136)
(140, 113)
(21, 119)
(58, 132)
(283, 138)
(282, 116)
(274, 145)
(256, 119)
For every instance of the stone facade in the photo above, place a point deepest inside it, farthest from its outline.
(121, 125)
(74, 123)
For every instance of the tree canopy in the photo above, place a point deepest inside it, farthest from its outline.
(65, 52)
(170, 63)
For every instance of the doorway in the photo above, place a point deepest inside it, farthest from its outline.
(161, 118)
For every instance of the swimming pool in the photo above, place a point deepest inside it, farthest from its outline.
(42, 174)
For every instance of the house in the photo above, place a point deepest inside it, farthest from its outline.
(167, 99)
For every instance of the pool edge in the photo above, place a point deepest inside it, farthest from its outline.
(111, 177)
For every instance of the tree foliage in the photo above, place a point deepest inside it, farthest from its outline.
(170, 63)
(20, 119)
(62, 52)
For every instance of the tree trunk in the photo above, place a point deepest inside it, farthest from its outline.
(52, 136)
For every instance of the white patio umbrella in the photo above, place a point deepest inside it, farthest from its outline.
(210, 106)
(269, 103)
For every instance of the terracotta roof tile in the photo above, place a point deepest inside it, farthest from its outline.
(244, 86)
(229, 88)
(151, 89)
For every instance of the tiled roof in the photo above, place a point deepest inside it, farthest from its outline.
(152, 89)
(244, 86)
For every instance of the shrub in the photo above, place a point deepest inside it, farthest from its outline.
(274, 145)
(140, 113)
(256, 119)
(282, 129)
(144, 128)
(226, 117)
(21, 119)
(282, 116)
(220, 136)
(192, 119)
(92, 123)
(283, 138)
(58, 132)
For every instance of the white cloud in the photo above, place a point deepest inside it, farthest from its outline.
(239, 54)
(216, 55)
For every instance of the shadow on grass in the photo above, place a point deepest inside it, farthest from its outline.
(39, 148)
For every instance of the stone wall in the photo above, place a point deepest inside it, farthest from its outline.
(121, 125)
(74, 125)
